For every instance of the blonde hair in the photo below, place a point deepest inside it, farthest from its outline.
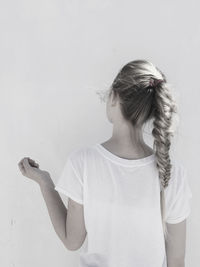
(145, 94)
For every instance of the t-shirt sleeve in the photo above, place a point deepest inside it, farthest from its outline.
(70, 182)
(178, 195)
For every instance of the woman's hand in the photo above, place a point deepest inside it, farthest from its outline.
(30, 169)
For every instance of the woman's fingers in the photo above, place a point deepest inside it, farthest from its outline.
(21, 167)
(20, 161)
(29, 162)
(26, 164)
(33, 163)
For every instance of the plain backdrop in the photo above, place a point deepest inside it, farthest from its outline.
(54, 56)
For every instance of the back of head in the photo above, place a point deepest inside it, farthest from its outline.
(145, 94)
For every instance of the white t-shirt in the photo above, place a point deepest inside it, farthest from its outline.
(121, 200)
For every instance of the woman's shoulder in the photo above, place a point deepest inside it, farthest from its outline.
(178, 174)
(82, 152)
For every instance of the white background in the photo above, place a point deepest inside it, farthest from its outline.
(54, 55)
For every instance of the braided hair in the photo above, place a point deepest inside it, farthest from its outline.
(144, 95)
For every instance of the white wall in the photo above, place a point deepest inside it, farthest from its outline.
(54, 55)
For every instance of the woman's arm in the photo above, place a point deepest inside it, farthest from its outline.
(175, 244)
(68, 223)
(56, 208)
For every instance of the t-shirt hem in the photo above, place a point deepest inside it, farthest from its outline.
(179, 219)
(68, 194)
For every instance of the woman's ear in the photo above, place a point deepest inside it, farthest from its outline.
(113, 98)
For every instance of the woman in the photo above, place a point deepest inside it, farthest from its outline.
(131, 201)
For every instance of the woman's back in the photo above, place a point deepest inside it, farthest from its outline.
(121, 201)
